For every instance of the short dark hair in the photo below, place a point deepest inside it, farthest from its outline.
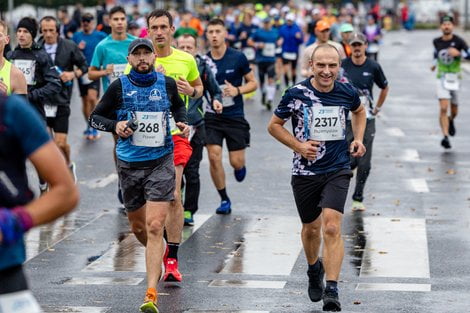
(159, 13)
(116, 10)
(186, 35)
(216, 21)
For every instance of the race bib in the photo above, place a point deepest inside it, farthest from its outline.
(19, 302)
(227, 101)
(328, 123)
(118, 71)
(269, 50)
(373, 48)
(292, 56)
(451, 81)
(278, 50)
(50, 110)
(150, 130)
(85, 80)
(250, 53)
(28, 67)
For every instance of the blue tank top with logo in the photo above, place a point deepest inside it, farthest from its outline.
(151, 107)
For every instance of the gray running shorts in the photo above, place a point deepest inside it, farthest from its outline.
(154, 181)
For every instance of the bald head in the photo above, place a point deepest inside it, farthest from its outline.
(327, 49)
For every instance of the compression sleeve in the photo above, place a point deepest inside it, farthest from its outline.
(178, 108)
(104, 116)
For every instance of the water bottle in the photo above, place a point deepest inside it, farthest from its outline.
(69, 83)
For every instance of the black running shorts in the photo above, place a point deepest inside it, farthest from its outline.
(153, 182)
(235, 131)
(60, 123)
(316, 192)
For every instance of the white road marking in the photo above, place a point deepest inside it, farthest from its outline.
(393, 287)
(275, 239)
(235, 283)
(100, 182)
(127, 281)
(410, 155)
(76, 309)
(417, 184)
(395, 247)
(394, 132)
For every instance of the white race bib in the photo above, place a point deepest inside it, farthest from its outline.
(150, 130)
(328, 123)
(118, 71)
(85, 80)
(278, 50)
(28, 67)
(373, 48)
(50, 110)
(19, 302)
(451, 81)
(227, 101)
(291, 56)
(250, 53)
(269, 50)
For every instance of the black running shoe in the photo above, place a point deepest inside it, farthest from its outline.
(263, 98)
(446, 143)
(315, 283)
(268, 105)
(451, 127)
(331, 300)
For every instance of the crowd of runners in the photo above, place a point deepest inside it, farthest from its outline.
(168, 84)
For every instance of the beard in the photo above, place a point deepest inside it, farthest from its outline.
(150, 69)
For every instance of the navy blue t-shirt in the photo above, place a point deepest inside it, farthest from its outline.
(300, 99)
(91, 41)
(231, 67)
(23, 123)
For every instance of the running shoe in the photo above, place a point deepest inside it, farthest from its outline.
(268, 105)
(263, 98)
(171, 271)
(451, 127)
(188, 218)
(224, 208)
(95, 135)
(315, 283)
(73, 170)
(150, 302)
(331, 300)
(87, 133)
(446, 143)
(358, 206)
(240, 174)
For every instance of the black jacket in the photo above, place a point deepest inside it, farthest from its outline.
(46, 83)
(67, 56)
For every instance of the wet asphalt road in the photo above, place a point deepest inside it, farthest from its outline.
(407, 252)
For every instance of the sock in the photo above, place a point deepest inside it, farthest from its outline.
(286, 79)
(331, 284)
(270, 92)
(173, 250)
(314, 267)
(294, 78)
(223, 194)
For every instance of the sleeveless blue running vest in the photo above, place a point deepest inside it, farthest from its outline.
(153, 98)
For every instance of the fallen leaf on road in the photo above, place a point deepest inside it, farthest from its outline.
(383, 252)
(397, 202)
(357, 302)
(451, 171)
(395, 220)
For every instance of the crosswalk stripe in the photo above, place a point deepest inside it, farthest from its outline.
(95, 280)
(418, 185)
(393, 287)
(271, 247)
(395, 247)
(76, 309)
(248, 284)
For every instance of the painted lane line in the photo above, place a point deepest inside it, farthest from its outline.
(100, 182)
(418, 185)
(76, 309)
(276, 239)
(129, 254)
(410, 155)
(393, 287)
(395, 247)
(235, 283)
(394, 132)
(127, 281)
(224, 311)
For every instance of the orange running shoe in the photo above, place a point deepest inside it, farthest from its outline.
(171, 271)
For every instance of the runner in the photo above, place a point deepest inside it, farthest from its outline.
(65, 55)
(264, 40)
(23, 136)
(323, 33)
(37, 67)
(232, 68)
(87, 40)
(182, 67)
(109, 59)
(373, 35)
(346, 31)
(318, 107)
(213, 95)
(291, 38)
(363, 73)
(11, 78)
(448, 52)
(137, 107)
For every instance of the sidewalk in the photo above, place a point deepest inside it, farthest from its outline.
(466, 36)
